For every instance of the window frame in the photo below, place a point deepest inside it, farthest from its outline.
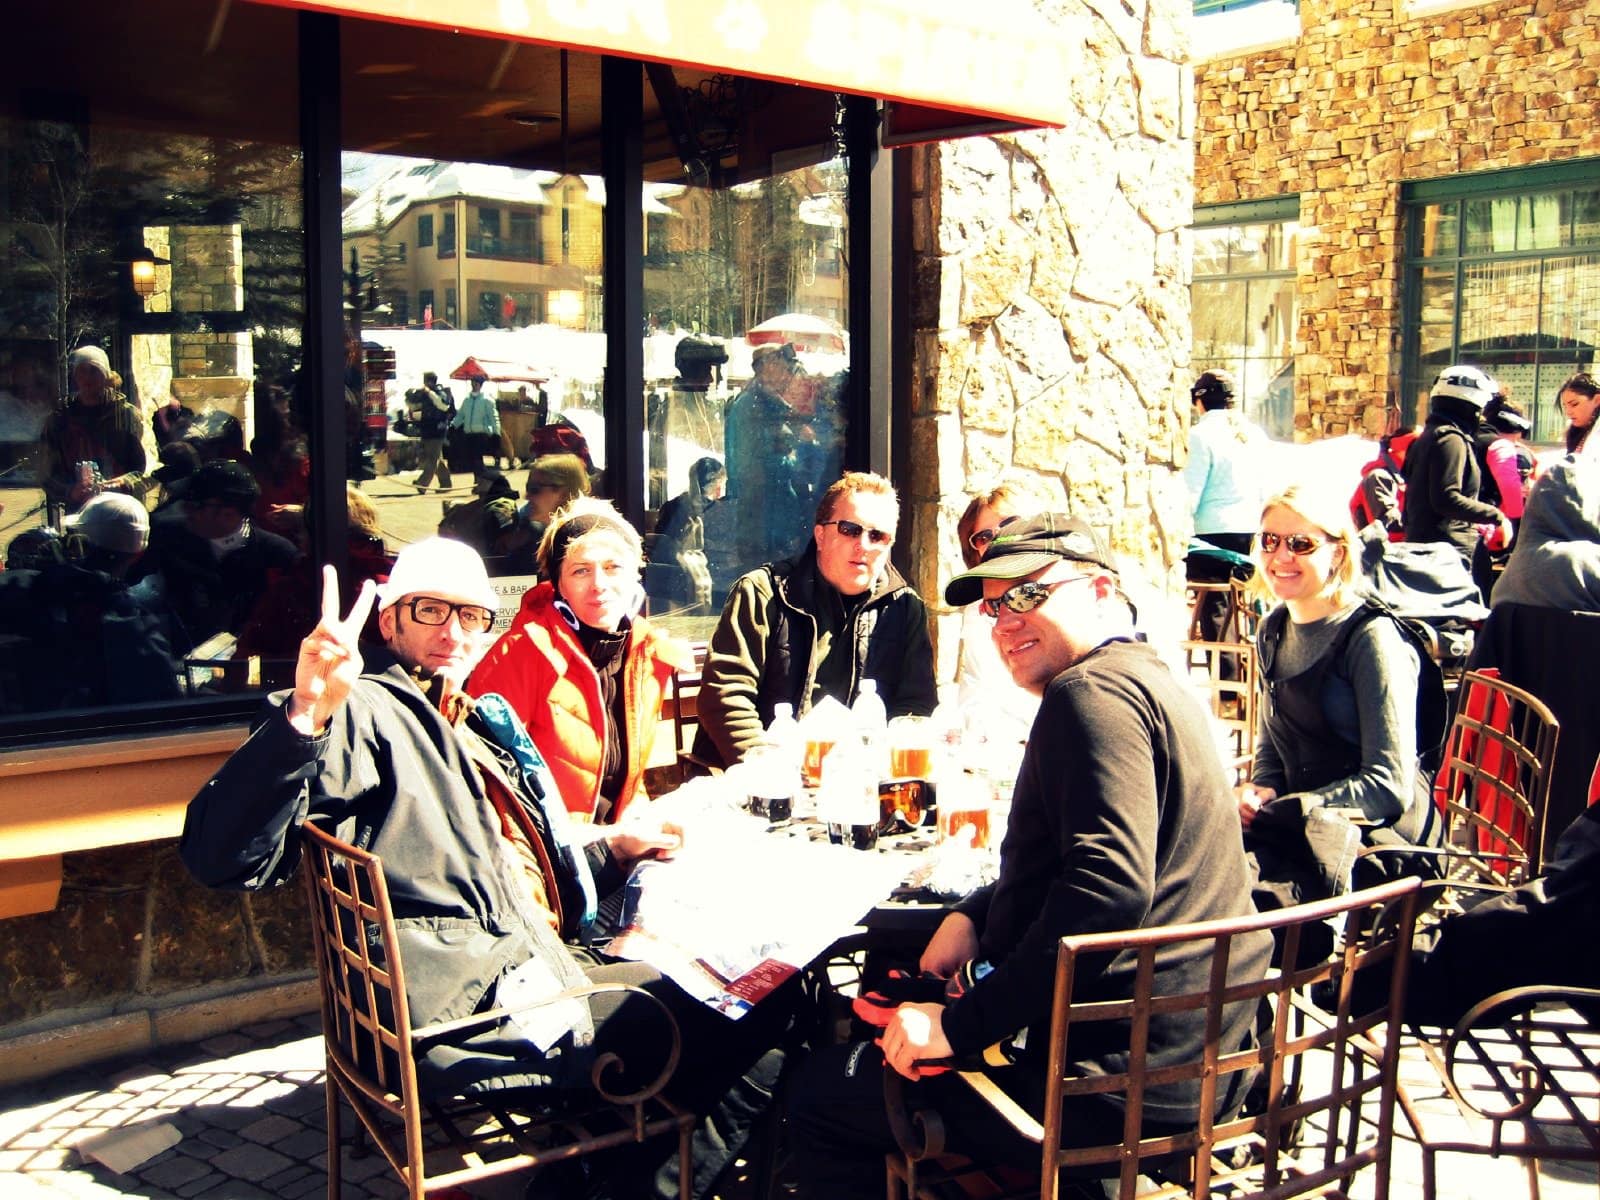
(1275, 210)
(1416, 197)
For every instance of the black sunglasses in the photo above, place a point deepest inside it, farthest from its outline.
(878, 537)
(1024, 597)
(425, 610)
(1300, 544)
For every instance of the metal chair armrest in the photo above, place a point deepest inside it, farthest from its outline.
(439, 1030)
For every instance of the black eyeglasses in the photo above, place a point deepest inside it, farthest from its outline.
(878, 537)
(425, 610)
(534, 486)
(1024, 597)
(1300, 544)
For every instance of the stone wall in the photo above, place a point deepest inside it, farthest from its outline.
(133, 928)
(1369, 97)
(1051, 305)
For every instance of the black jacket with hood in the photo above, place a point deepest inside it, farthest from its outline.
(1442, 479)
(765, 652)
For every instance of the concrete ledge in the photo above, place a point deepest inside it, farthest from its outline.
(88, 1037)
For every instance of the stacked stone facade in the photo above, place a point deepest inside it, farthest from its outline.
(1369, 97)
(1050, 305)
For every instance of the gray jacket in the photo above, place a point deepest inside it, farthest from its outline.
(1555, 562)
(391, 775)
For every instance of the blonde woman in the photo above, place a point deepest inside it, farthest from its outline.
(1347, 687)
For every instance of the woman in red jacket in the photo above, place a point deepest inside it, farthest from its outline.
(584, 672)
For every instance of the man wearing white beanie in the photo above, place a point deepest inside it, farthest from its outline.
(494, 891)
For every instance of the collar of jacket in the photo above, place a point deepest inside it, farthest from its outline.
(799, 582)
(538, 609)
(379, 663)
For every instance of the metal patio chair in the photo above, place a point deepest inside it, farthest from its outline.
(1312, 1130)
(435, 1143)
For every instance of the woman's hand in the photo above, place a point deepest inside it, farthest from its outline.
(330, 659)
(954, 944)
(1251, 798)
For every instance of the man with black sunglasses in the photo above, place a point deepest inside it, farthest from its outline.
(1121, 819)
(817, 625)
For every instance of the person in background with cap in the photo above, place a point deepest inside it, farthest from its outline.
(87, 640)
(92, 442)
(208, 562)
(582, 670)
(817, 625)
(494, 891)
(1442, 478)
(679, 575)
(756, 438)
(1121, 819)
(1224, 476)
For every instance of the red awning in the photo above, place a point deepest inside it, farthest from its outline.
(1001, 59)
(498, 370)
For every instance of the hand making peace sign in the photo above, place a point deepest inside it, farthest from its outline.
(330, 658)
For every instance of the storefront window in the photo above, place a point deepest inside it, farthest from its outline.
(154, 461)
(1244, 304)
(1506, 277)
(745, 367)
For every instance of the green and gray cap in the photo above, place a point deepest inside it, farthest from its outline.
(1023, 546)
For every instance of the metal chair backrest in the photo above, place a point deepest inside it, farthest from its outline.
(364, 1015)
(439, 1142)
(1494, 783)
(1327, 1056)
(682, 703)
(1233, 688)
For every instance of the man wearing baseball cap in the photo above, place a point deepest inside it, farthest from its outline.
(1121, 819)
(495, 892)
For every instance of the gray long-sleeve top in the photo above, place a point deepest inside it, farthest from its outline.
(1370, 700)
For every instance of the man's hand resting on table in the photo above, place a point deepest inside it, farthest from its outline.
(634, 839)
(954, 944)
(916, 1034)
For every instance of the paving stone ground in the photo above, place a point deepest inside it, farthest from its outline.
(249, 1111)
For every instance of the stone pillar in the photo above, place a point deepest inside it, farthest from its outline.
(1051, 326)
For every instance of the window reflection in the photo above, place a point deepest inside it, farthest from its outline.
(745, 363)
(480, 419)
(153, 453)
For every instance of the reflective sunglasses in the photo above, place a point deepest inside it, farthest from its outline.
(878, 537)
(1300, 544)
(425, 610)
(1024, 597)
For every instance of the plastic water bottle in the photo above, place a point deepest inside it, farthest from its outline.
(848, 799)
(872, 722)
(778, 761)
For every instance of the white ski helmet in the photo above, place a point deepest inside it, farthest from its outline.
(1464, 383)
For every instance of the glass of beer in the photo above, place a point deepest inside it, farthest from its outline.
(965, 802)
(911, 748)
(816, 750)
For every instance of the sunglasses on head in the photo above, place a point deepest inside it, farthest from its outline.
(1299, 544)
(850, 529)
(1024, 597)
